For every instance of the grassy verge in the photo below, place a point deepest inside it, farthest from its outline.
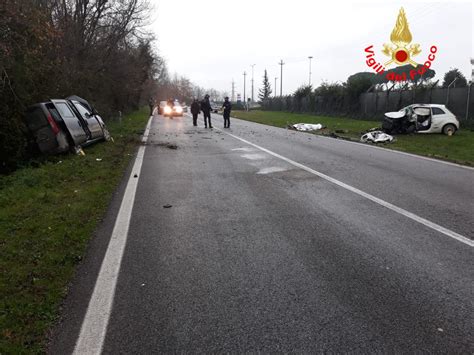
(458, 148)
(47, 215)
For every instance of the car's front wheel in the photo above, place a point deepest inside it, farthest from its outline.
(449, 129)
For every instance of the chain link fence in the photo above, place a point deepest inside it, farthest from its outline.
(373, 105)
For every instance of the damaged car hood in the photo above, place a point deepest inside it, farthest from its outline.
(396, 114)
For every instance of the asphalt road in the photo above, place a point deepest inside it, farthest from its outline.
(258, 254)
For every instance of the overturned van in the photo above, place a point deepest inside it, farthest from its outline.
(65, 124)
(421, 118)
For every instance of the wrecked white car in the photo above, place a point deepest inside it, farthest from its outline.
(421, 118)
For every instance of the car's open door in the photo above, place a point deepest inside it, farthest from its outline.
(423, 118)
(75, 125)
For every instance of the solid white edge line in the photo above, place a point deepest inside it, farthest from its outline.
(94, 326)
(377, 200)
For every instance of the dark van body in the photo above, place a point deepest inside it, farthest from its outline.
(61, 125)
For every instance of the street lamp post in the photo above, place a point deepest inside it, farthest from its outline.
(252, 80)
(310, 57)
(281, 76)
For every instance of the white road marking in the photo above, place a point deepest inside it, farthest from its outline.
(272, 169)
(377, 200)
(94, 325)
(254, 156)
(244, 149)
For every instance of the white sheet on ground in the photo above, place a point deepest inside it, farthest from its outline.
(307, 126)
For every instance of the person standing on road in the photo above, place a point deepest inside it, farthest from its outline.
(206, 110)
(227, 106)
(195, 109)
(151, 104)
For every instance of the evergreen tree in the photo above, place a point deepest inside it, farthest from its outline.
(454, 74)
(265, 92)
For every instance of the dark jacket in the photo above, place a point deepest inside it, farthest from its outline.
(227, 106)
(195, 108)
(206, 106)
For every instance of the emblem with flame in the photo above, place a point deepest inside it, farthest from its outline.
(401, 51)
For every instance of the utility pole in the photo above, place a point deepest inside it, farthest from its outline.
(310, 57)
(281, 76)
(233, 90)
(252, 80)
(245, 79)
(275, 88)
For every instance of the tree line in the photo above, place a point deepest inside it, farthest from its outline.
(97, 49)
(361, 82)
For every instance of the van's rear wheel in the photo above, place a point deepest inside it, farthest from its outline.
(449, 129)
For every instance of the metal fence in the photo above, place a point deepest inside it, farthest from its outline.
(373, 105)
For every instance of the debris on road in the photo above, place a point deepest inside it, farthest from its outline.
(98, 159)
(307, 127)
(167, 206)
(167, 145)
(376, 137)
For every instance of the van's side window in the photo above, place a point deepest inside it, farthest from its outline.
(82, 110)
(64, 110)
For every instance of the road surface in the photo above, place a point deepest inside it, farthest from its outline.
(278, 241)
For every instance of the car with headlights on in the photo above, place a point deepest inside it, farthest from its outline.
(173, 110)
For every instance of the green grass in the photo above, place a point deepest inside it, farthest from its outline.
(458, 148)
(47, 216)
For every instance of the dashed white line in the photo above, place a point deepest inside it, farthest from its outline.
(253, 156)
(94, 326)
(272, 169)
(243, 149)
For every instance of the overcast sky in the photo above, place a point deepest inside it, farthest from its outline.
(212, 42)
